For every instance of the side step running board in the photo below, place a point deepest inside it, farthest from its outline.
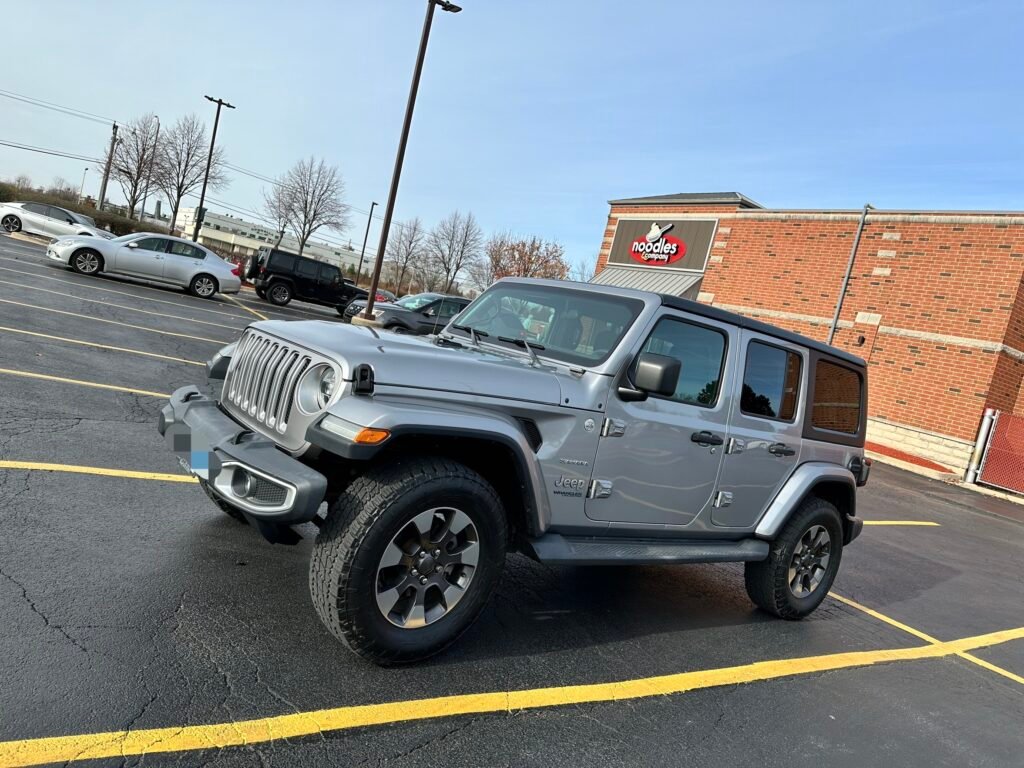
(555, 548)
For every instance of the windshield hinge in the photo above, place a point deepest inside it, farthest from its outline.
(599, 489)
(613, 428)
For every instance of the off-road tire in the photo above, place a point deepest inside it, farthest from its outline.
(279, 293)
(224, 507)
(361, 524)
(767, 581)
(80, 258)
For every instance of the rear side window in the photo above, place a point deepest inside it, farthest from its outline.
(837, 398)
(329, 273)
(306, 268)
(702, 353)
(184, 249)
(282, 261)
(771, 382)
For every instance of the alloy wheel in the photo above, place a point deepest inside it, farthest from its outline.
(10, 223)
(204, 287)
(810, 561)
(87, 263)
(427, 567)
(279, 293)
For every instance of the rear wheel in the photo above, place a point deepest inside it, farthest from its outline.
(203, 286)
(11, 223)
(407, 558)
(802, 563)
(279, 293)
(86, 262)
(400, 329)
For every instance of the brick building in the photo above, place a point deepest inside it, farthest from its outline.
(935, 303)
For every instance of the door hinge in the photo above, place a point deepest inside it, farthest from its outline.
(599, 489)
(723, 499)
(613, 428)
(735, 445)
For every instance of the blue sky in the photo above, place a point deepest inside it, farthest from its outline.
(533, 114)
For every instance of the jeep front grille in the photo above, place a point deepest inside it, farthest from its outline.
(263, 378)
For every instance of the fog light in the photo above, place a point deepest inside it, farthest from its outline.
(243, 484)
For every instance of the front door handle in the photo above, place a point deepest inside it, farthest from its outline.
(781, 449)
(706, 438)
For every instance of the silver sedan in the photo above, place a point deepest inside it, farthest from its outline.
(42, 219)
(153, 257)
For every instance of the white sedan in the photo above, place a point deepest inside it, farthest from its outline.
(43, 219)
(150, 256)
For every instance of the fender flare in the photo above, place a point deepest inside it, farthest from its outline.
(796, 489)
(403, 421)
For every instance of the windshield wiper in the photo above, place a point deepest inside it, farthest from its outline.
(529, 346)
(474, 334)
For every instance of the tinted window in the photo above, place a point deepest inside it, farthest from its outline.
(57, 213)
(449, 308)
(771, 382)
(306, 268)
(36, 208)
(837, 396)
(152, 244)
(284, 262)
(702, 353)
(184, 249)
(330, 273)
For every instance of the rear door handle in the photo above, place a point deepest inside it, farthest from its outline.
(706, 438)
(781, 449)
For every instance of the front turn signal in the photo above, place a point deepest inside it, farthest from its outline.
(368, 436)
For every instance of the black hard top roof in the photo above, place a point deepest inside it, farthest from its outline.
(713, 313)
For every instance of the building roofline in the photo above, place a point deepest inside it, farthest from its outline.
(691, 198)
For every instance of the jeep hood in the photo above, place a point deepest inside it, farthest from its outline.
(416, 362)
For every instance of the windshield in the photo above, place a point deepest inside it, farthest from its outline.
(576, 327)
(418, 300)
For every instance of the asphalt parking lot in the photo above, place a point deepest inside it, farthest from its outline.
(141, 626)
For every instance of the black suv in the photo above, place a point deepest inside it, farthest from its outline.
(280, 276)
(420, 314)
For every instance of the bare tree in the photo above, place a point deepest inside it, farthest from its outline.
(276, 207)
(404, 248)
(582, 271)
(181, 162)
(507, 255)
(312, 193)
(63, 189)
(133, 155)
(454, 244)
(23, 183)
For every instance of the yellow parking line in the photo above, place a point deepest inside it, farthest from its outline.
(47, 377)
(260, 315)
(93, 746)
(111, 322)
(925, 523)
(926, 637)
(99, 346)
(120, 306)
(87, 283)
(40, 466)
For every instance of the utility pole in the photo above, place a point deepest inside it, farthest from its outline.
(849, 271)
(400, 158)
(359, 272)
(209, 159)
(81, 191)
(106, 169)
(149, 174)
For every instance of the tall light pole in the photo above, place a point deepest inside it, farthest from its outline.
(149, 174)
(81, 191)
(369, 218)
(389, 211)
(209, 159)
(849, 270)
(106, 168)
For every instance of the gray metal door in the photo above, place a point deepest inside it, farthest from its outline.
(658, 460)
(182, 263)
(142, 258)
(765, 428)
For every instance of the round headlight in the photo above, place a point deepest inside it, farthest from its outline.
(315, 388)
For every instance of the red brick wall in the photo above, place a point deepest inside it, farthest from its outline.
(955, 275)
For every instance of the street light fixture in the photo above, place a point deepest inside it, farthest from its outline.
(389, 211)
(209, 159)
(81, 191)
(149, 174)
(369, 219)
(849, 271)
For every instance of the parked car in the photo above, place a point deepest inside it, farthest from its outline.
(280, 276)
(158, 258)
(615, 426)
(43, 219)
(418, 314)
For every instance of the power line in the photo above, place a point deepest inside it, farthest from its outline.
(57, 107)
(44, 151)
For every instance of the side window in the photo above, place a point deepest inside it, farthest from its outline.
(449, 308)
(186, 250)
(284, 262)
(837, 397)
(56, 213)
(330, 274)
(702, 353)
(306, 268)
(42, 210)
(157, 244)
(771, 382)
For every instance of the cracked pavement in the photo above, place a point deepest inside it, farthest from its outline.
(129, 604)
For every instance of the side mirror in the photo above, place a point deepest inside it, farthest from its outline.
(657, 374)
(133, 244)
(70, 221)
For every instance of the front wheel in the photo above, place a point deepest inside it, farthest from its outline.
(407, 558)
(802, 563)
(202, 286)
(86, 262)
(11, 223)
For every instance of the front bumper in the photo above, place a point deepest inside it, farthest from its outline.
(52, 254)
(240, 466)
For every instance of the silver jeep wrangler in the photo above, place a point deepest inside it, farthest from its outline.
(578, 424)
